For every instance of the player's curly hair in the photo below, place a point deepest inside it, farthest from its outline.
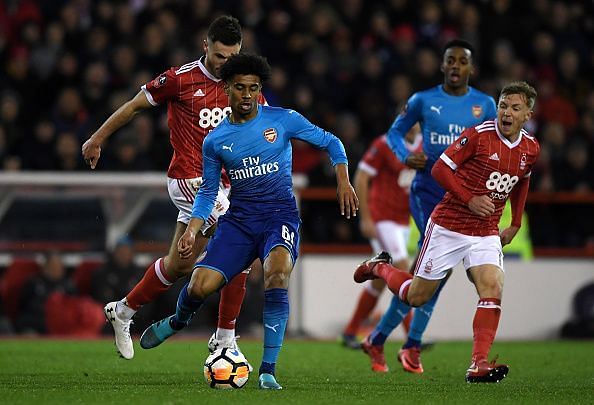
(225, 29)
(245, 64)
(523, 89)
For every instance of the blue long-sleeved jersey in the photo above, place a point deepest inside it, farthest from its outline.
(442, 117)
(257, 156)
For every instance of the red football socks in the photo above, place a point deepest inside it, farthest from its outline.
(154, 283)
(397, 281)
(484, 326)
(365, 305)
(232, 296)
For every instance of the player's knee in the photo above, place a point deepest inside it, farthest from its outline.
(276, 278)
(201, 288)
(491, 288)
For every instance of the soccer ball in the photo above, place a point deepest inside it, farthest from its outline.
(226, 368)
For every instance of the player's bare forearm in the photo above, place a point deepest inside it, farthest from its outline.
(508, 234)
(91, 149)
(361, 183)
(517, 201)
(186, 242)
(347, 198)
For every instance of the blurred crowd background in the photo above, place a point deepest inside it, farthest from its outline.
(347, 65)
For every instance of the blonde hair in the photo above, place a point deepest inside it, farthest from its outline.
(522, 88)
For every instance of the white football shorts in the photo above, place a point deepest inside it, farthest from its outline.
(391, 237)
(183, 192)
(443, 249)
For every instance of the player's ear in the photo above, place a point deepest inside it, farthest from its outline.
(226, 88)
(205, 45)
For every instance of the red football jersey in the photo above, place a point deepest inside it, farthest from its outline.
(196, 103)
(390, 182)
(486, 163)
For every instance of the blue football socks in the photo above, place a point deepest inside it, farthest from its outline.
(186, 308)
(276, 315)
(390, 320)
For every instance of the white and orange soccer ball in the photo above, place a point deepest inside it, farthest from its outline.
(226, 368)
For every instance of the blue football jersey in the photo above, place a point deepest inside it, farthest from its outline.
(257, 156)
(442, 117)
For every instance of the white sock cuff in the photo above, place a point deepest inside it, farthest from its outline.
(159, 270)
(401, 290)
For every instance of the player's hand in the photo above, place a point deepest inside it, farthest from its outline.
(416, 160)
(367, 227)
(347, 199)
(508, 234)
(185, 244)
(481, 205)
(91, 152)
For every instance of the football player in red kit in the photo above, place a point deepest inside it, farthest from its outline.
(196, 103)
(487, 165)
(382, 184)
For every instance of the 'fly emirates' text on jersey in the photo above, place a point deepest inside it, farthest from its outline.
(443, 117)
(486, 163)
(196, 103)
(390, 181)
(257, 158)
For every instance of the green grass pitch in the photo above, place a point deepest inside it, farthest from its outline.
(89, 372)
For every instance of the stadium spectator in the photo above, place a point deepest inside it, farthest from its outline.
(36, 291)
(118, 275)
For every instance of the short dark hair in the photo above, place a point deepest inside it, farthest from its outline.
(225, 29)
(523, 89)
(459, 43)
(246, 64)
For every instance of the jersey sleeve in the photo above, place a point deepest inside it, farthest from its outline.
(161, 88)
(299, 127)
(410, 115)
(373, 160)
(461, 150)
(211, 176)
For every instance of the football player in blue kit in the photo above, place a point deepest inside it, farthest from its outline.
(443, 112)
(253, 144)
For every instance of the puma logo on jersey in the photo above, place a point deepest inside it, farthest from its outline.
(494, 156)
(199, 93)
(437, 109)
(229, 148)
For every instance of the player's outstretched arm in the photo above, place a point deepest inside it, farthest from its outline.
(91, 149)
(366, 224)
(347, 198)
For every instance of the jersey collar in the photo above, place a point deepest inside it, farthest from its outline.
(505, 140)
(205, 70)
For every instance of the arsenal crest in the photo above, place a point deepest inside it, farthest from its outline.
(477, 110)
(270, 135)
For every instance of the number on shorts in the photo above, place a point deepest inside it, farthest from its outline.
(287, 235)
